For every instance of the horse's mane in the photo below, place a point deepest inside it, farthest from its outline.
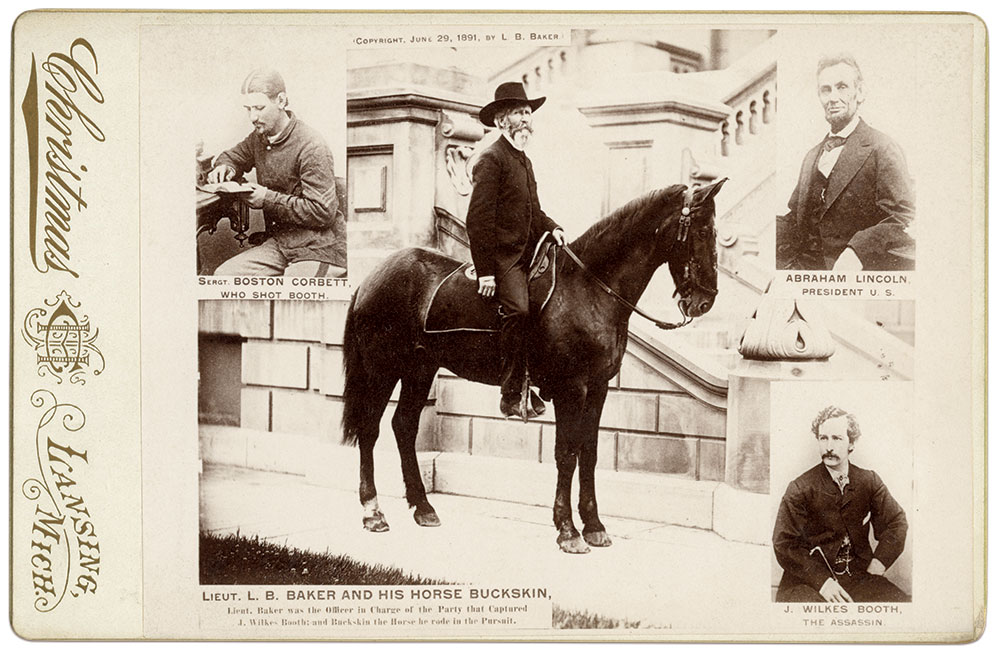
(605, 239)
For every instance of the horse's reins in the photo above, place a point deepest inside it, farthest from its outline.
(682, 236)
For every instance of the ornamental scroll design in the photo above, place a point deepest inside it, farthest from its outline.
(64, 551)
(64, 341)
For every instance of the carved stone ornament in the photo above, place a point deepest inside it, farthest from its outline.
(783, 329)
(456, 158)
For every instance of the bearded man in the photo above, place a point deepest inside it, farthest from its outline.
(854, 200)
(504, 222)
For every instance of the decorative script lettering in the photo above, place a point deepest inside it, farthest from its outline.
(65, 553)
(69, 93)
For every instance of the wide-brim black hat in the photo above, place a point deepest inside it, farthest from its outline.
(507, 94)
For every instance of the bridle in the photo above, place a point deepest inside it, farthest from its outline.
(688, 282)
(692, 269)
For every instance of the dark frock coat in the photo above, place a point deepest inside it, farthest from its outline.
(867, 204)
(504, 219)
(813, 512)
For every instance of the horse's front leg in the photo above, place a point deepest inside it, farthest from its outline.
(593, 529)
(569, 406)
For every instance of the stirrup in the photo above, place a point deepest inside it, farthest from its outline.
(529, 405)
(537, 407)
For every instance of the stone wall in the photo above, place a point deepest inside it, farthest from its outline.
(648, 425)
(290, 361)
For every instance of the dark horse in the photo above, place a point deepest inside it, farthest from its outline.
(576, 344)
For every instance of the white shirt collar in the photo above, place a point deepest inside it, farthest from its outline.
(849, 128)
(836, 475)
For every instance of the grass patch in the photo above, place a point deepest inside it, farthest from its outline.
(236, 560)
(567, 619)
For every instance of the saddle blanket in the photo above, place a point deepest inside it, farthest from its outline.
(457, 306)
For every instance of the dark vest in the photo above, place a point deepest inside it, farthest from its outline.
(812, 249)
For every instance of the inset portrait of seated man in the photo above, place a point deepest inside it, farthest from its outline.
(825, 519)
(853, 200)
(305, 235)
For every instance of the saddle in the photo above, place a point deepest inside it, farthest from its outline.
(456, 305)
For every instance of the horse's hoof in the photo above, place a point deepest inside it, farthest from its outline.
(574, 545)
(426, 518)
(597, 538)
(375, 523)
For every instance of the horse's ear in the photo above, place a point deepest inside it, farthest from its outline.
(710, 190)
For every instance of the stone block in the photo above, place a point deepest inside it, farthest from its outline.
(737, 515)
(684, 415)
(334, 316)
(307, 413)
(222, 445)
(453, 434)
(298, 320)
(255, 408)
(748, 426)
(711, 460)
(606, 447)
(663, 454)
(656, 498)
(637, 375)
(326, 370)
(219, 373)
(748, 466)
(511, 439)
(632, 411)
(461, 397)
(251, 319)
(267, 363)
(427, 430)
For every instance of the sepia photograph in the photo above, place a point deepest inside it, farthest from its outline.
(861, 150)
(504, 326)
(841, 533)
(269, 151)
(494, 198)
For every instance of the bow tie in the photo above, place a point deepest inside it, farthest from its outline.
(832, 142)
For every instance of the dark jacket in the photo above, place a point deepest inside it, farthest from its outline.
(813, 512)
(504, 217)
(300, 206)
(867, 204)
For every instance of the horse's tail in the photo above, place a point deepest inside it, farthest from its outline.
(356, 380)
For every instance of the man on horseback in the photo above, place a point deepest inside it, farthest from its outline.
(504, 222)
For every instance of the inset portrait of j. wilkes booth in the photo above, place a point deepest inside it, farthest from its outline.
(270, 168)
(852, 203)
(840, 452)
